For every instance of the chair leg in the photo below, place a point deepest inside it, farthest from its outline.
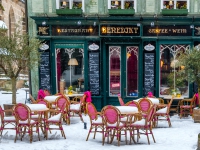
(152, 136)
(169, 122)
(146, 132)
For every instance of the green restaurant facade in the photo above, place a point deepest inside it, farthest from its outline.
(116, 54)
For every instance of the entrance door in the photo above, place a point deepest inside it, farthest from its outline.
(122, 71)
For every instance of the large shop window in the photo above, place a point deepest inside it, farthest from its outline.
(170, 82)
(175, 4)
(70, 67)
(122, 4)
(70, 4)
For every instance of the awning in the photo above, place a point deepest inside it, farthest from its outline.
(69, 45)
(3, 25)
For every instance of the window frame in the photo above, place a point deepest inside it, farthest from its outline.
(122, 4)
(174, 7)
(71, 4)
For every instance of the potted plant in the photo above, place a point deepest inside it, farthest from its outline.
(191, 70)
(18, 53)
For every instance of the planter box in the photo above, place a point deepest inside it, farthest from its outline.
(69, 11)
(196, 115)
(121, 11)
(174, 12)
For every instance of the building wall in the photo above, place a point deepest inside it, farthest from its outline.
(15, 10)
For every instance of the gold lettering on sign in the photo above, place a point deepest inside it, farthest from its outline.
(166, 31)
(43, 30)
(119, 30)
(75, 30)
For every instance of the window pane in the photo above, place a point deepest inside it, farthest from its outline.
(132, 70)
(181, 5)
(114, 70)
(169, 80)
(72, 72)
(128, 4)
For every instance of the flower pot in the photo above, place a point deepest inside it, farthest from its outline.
(174, 12)
(196, 115)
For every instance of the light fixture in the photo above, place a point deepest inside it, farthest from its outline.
(152, 24)
(138, 24)
(44, 23)
(191, 26)
(72, 62)
(94, 24)
(170, 3)
(161, 63)
(79, 22)
(116, 3)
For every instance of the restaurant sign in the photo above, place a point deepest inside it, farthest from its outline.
(169, 30)
(79, 30)
(119, 30)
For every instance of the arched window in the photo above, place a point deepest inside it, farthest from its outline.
(11, 22)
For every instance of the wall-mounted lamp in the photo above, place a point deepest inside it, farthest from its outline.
(152, 24)
(138, 24)
(44, 23)
(191, 26)
(94, 24)
(79, 22)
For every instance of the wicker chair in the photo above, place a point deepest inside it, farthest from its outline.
(96, 121)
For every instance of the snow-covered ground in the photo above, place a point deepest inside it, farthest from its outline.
(181, 136)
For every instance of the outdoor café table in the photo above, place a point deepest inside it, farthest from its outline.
(74, 95)
(153, 100)
(130, 111)
(39, 108)
(51, 98)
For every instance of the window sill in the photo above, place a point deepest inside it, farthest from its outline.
(121, 11)
(174, 12)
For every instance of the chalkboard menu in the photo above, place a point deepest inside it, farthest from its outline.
(45, 71)
(149, 73)
(94, 73)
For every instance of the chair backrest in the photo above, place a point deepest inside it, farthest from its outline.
(61, 101)
(1, 113)
(22, 112)
(42, 101)
(47, 92)
(195, 100)
(121, 101)
(132, 103)
(144, 104)
(151, 113)
(111, 115)
(91, 111)
(169, 105)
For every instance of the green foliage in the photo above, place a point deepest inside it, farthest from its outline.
(18, 53)
(191, 62)
(1, 7)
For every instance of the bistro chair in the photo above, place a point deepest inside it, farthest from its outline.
(186, 106)
(58, 106)
(144, 126)
(56, 120)
(23, 121)
(96, 121)
(144, 106)
(132, 103)
(163, 113)
(113, 125)
(77, 107)
(121, 100)
(6, 121)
